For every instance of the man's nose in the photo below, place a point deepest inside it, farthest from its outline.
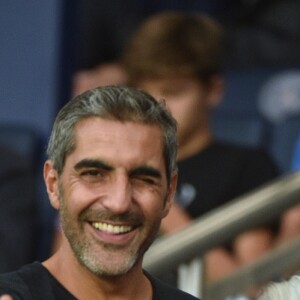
(119, 197)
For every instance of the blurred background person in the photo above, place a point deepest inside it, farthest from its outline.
(261, 33)
(179, 57)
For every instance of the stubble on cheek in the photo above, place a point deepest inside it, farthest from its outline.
(100, 258)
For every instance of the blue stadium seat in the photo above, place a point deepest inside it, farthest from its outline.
(283, 142)
(241, 129)
(237, 118)
(242, 88)
(27, 142)
(246, 114)
(279, 103)
(295, 162)
(37, 58)
(23, 140)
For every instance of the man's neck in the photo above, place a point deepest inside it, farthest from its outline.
(85, 285)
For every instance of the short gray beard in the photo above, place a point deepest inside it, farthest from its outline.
(89, 261)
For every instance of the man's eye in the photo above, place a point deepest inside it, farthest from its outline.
(91, 173)
(147, 180)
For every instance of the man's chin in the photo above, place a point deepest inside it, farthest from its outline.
(110, 266)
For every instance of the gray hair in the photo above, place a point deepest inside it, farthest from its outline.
(116, 103)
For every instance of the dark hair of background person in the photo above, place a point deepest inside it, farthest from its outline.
(173, 43)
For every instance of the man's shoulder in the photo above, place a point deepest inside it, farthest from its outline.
(163, 291)
(19, 284)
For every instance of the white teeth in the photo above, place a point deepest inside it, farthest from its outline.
(110, 228)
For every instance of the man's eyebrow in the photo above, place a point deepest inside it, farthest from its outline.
(92, 163)
(145, 170)
(98, 164)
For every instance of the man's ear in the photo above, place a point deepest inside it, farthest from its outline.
(216, 89)
(171, 194)
(52, 183)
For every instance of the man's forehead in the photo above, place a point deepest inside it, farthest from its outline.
(137, 138)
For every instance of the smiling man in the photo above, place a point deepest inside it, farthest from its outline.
(112, 175)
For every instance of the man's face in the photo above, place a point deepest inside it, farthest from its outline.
(113, 193)
(188, 100)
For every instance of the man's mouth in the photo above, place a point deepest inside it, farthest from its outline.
(109, 228)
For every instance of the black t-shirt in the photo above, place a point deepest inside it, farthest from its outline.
(35, 282)
(220, 173)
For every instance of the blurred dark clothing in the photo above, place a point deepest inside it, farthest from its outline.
(17, 212)
(220, 173)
